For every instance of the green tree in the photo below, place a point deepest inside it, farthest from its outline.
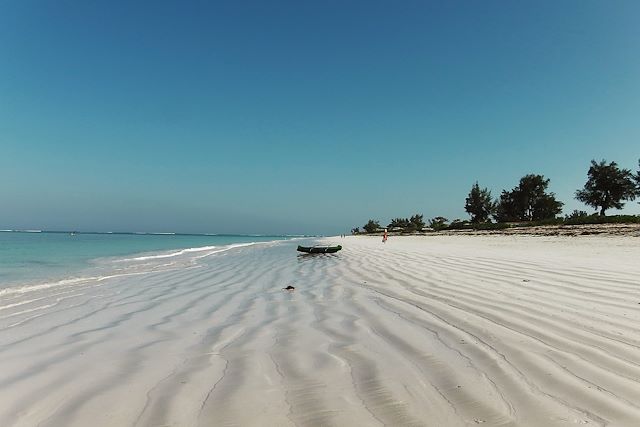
(528, 201)
(479, 204)
(355, 230)
(398, 223)
(507, 207)
(417, 221)
(438, 223)
(607, 186)
(371, 226)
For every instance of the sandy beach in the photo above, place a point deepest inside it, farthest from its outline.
(420, 331)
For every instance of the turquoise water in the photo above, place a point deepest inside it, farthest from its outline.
(36, 257)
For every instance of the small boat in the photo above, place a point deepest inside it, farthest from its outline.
(318, 249)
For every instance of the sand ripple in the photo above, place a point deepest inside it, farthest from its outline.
(431, 331)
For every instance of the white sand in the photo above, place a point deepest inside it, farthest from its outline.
(425, 331)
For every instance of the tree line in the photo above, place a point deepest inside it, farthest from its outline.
(608, 187)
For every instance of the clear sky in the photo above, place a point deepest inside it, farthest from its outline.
(304, 117)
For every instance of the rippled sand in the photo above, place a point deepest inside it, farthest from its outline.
(424, 331)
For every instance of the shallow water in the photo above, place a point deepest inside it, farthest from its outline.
(32, 257)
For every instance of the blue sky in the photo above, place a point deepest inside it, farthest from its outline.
(303, 117)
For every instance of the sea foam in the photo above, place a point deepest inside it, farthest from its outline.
(189, 250)
(146, 268)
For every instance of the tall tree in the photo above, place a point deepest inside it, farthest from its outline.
(607, 186)
(371, 226)
(479, 204)
(507, 207)
(529, 201)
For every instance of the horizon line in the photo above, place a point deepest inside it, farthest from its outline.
(144, 233)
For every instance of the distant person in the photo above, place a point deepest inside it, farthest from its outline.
(384, 236)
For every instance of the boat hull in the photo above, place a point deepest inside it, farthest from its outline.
(319, 249)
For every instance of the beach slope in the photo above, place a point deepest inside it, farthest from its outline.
(420, 331)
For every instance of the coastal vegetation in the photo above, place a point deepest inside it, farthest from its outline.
(479, 204)
(530, 204)
(416, 222)
(371, 226)
(528, 201)
(438, 223)
(609, 186)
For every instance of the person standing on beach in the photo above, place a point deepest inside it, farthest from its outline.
(384, 236)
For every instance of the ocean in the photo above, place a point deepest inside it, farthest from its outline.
(38, 257)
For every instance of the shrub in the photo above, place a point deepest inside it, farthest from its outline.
(458, 224)
(438, 223)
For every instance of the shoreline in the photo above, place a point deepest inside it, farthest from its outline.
(542, 230)
(46, 257)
